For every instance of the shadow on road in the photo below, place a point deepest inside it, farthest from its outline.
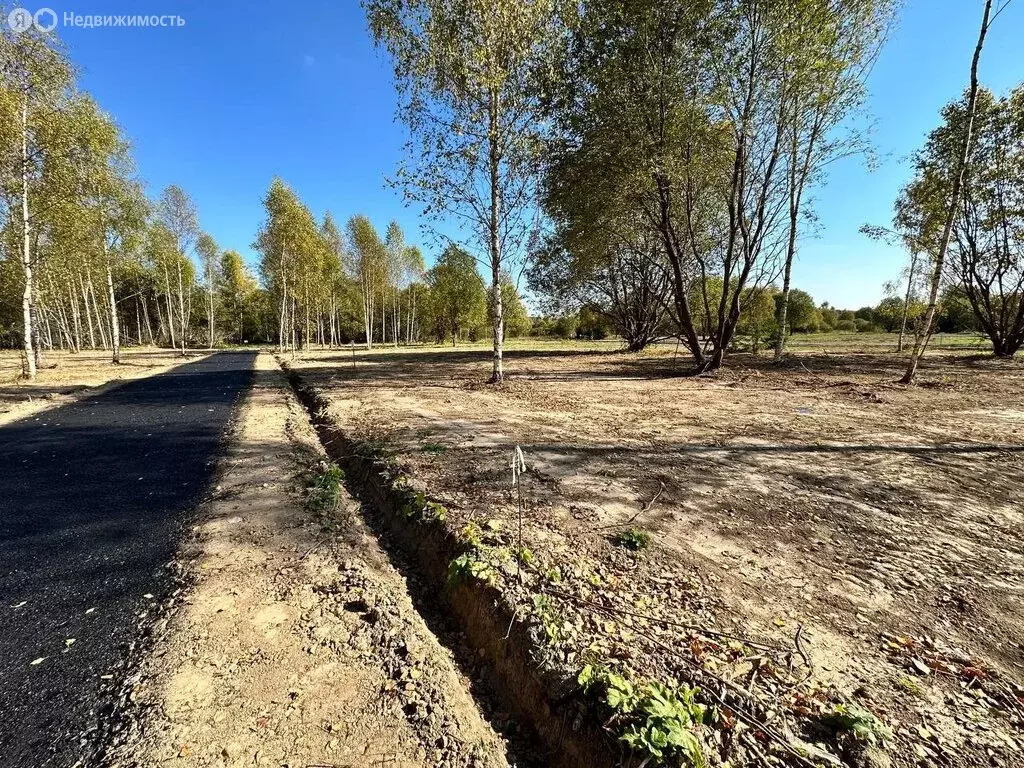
(93, 497)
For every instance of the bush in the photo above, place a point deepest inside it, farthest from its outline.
(591, 325)
(632, 538)
(565, 327)
(847, 326)
(542, 326)
(865, 326)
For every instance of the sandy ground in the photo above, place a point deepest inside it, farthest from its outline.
(295, 643)
(65, 377)
(885, 521)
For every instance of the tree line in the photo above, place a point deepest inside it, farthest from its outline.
(88, 262)
(648, 163)
(334, 285)
(652, 161)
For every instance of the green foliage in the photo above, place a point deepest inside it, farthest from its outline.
(417, 507)
(524, 555)
(323, 492)
(472, 535)
(471, 565)
(565, 326)
(239, 311)
(457, 301)
(910, 685)
(468, 97)
(517, 318)
(757, 320)
(858, 723)
(549, 617)
(591, 324)
(986, 253)
(657, 722)
(632, 538)
(956, 314)
(802, 315)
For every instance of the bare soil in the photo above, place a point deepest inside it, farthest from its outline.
(65, 377)
(877, 528)
(295, 642)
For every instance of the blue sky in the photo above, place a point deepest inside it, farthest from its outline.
(248, 90)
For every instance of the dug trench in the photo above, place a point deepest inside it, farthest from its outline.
(546, 703)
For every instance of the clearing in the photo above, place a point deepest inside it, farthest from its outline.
(863, 541)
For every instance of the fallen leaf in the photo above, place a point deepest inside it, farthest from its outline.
(38, 661)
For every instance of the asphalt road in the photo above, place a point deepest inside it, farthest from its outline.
(93, 497)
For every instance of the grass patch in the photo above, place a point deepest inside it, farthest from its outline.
(323, 493)
(632, 538)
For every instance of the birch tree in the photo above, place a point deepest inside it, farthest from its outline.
(829, 49)
(209, 258)
(177, 214)
(952, 205)
(34, 79)
(397, 264)
(414, 271)
(291, 250)
(236, 289)
(985, 259)
(463, 71)
(119, 211)
(369, 267)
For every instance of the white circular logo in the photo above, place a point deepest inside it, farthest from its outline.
(45, 19)
(20, 20)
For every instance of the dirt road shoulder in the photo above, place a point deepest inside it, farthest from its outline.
(296, 642)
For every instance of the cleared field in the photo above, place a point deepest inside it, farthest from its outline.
(877, 529)
(886, 342)
(65, 375)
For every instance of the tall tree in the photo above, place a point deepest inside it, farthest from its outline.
(986, 250)
(396, 254)
(292, 249)
(829, 50)
(463, 70)
(236, 288)
(209, 258)
(680, 102)
(177, 214)
(35, 81)
(457, 293)
(369, 266)
(114, 202)
(415, 269)
(952, 205)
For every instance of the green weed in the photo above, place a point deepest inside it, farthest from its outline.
(323, 494)
(860, 724)
(659, 722)
(632, 538)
